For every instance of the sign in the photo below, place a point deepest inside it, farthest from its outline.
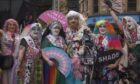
(109, 56)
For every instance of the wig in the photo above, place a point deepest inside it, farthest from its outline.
(113, 40)
(5, 28)
(76, 14)
(28, 29)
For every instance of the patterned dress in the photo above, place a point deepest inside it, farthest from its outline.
(30, 72)
(73, 35)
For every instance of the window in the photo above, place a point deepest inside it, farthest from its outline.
(86, 5)
(95, 6)
(131, 5)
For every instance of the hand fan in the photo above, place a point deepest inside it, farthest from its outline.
(64, 62)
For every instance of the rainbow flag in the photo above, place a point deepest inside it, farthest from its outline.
(52, 75)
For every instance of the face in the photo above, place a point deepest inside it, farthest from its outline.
(73, 21)
(102, 29)
(35, 32)
(55, 30)
(129, 24)
(11, 27)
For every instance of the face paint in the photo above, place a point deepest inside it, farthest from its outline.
(129, 24)
(35, 31)
(55, 30)
(102, 29)
(131, 28)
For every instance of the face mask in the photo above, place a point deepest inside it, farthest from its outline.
(129, 24)
(55, 31)
(102, 29)
(35, 31)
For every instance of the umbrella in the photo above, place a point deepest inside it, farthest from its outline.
(64, 62)
(51, 15)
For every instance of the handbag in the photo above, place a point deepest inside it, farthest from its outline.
(6, 62)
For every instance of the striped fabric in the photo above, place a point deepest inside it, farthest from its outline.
(52, 75)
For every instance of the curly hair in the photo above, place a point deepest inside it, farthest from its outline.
(8, 21)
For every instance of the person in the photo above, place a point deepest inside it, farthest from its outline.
(106, 39)
(75, 29)
(131, 31)
(53, 37)
(8, 38)
(29, 52)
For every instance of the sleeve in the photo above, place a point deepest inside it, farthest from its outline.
(24, 43)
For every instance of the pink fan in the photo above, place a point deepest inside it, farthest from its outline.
(51, 15)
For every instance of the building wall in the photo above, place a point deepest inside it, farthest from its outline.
(60, 5)
(55, 4)
(87, 7)
(73, 5)
(138, 6)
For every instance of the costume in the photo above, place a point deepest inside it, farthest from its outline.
(8, 41)
(132, 36)
(52, 75)
(74, 33)
(106, 39)
(29, 65)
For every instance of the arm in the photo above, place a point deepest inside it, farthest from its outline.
(108, 4)
(1, 33)
(116, 19)
(51, 63)
(112, 66)
(21, 53)
(20, 57)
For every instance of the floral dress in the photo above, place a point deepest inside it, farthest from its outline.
(73, 35)
(27, 72)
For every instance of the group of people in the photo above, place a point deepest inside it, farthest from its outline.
(32, 66)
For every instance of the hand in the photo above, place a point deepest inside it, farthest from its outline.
(111, 66)
(108, 3)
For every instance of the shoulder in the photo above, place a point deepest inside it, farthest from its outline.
(1, 32)
(23, 42)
